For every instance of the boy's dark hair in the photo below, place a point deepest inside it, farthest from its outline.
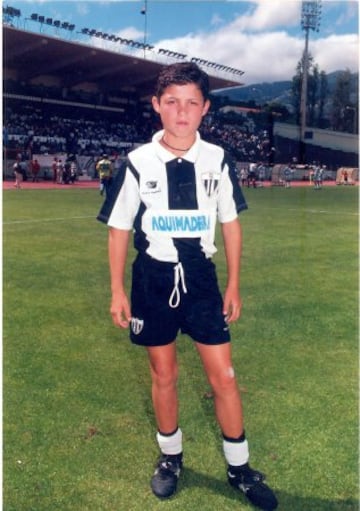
(183, 73)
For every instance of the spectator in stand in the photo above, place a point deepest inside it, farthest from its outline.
(73, 170)
(66, 172)
(35, 169)
(59, 171)
(262, 173)
(252, 175)
(243, 176)
(287, 172)
(54, 170)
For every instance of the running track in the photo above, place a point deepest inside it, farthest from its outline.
(49, 185)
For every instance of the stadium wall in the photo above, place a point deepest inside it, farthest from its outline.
(331, 148)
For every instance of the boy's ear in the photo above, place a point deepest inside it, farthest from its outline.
(155, 104)
(206, 107)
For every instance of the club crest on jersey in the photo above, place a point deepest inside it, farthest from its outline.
(211, 181)
(137, 325)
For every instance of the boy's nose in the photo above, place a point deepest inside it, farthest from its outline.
(182, 108)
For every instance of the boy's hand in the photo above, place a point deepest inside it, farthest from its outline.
(232, 305)
(120, 310)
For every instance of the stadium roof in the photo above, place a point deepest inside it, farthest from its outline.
(27, 56)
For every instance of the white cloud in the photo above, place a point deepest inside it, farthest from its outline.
(350, 13)
(248, 43)
(337, 52)
(267, 15)
(82, 8)
(130, 33)
(258, 42)
(216, 20)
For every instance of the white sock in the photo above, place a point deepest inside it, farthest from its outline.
(170, 444)
(236, 453)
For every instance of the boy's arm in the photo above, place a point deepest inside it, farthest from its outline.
(231, 232)
(118, 248)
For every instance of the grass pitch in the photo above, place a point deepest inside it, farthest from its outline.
(79, 431)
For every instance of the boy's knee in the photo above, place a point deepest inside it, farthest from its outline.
(165, 376)
(224, 380)
(231, 372)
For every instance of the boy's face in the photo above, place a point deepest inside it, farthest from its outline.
(181, 109)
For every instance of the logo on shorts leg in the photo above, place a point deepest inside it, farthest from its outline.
(137, 325)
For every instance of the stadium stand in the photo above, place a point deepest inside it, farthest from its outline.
(69, 97)
(62, 98)
(40, 128)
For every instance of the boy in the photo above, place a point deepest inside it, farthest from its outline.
(170, 191)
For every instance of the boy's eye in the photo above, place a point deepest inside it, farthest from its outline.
(192, 102)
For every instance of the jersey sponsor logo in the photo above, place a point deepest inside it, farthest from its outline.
(210, 181)
(137, 325)
(151, 184)
(179, 223)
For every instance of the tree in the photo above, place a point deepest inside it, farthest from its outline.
(323, 93)
(344, 109)
(296, 91)
(312, 94)
(317, 92)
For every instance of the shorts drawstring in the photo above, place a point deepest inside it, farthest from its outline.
(179, 276)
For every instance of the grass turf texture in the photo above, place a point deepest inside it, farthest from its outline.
(79, 432)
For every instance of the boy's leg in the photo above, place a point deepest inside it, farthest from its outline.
(220, 373)
(228, 408)
(164, 375)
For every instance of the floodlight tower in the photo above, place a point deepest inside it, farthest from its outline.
(144, 12)
(310, 20)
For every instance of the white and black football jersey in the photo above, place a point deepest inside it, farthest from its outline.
(173, 203)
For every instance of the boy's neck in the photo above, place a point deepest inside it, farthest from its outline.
(174, 147)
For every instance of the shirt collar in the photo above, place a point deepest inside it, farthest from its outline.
(167, 156)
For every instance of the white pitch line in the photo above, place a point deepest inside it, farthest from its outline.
(313, 211)
(43, 220)
(61, 219)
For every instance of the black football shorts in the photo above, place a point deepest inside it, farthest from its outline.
(167, 298)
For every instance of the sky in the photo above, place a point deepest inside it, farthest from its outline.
(263, 38)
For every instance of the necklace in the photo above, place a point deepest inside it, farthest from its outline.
(174, 148)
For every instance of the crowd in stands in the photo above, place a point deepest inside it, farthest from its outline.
(48, 120)
(53, 129)
(33, 128)
(243, 144)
